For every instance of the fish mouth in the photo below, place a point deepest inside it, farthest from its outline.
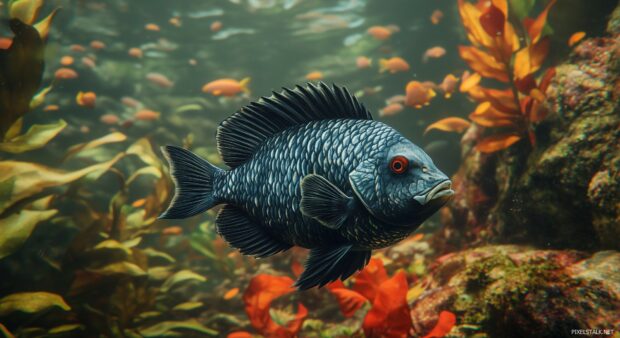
(442, 190)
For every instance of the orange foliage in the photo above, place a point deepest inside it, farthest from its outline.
(261, 291)
(497, 53)
(368, 280)
(444, 324)
(389, 315)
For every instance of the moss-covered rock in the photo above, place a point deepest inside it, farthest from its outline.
(515, 291)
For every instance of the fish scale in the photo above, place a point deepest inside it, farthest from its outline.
(309, 167)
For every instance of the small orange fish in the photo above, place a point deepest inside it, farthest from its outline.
(77, 48)
(66, 60)
(65, 74)
(51, 107)
(216, 26)
(5, 43)
(159, 80)
(391, 109)
(576, 37)
(434, 53)
(418, 94)
(87, 99)
(448, 85)
(175, 21)
(84, 129)
(396, 99)
(379, 32)
(417, 237)
(363, 62)
(97, 45)
(172, 230)
(89, 62)
(192, 62)
(130, 102)
(109, 119)
(138, 203)
(436, 16)
(231, 293)
(151, 27)
(135, 52)
(146, 115)
(314, 76)
(393, 65)
(227, 87)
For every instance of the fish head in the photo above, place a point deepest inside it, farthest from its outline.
(404, 188)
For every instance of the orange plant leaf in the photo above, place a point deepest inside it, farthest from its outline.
(389, 315)
(349, 301)
(470, 16)
(469, 82)
(528, 60)
(492, 21)
(488, 116)
(261, 291)
(368, 280)
(546, 79)
(525, 84)
(576, 37)
(239, 334)
(455, 124)
(502, 100)
(497, 142)
(446, 321)
(483, 63)
(535, 29)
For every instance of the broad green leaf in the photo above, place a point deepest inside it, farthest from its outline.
(31, 302)
(135, 220)
(15, 129)
(36, 137)
(110, 138)
(152, 253)
(39, 97)
(168, 328)
(132, 242)
(120, 268)
(31, 178)
(41, 204)
(187, 306)
(65, 328)
(16, 228)
(25, 10)
(110, 244)
(159, 272)
(181, 277)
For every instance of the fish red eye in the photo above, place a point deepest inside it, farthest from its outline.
(399, 164)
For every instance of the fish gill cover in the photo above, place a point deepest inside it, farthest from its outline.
(90, 91)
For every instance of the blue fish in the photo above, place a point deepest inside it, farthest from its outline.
(310, 167)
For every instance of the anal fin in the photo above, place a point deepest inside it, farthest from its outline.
(325, 265)
(325, 202)
(246, 236)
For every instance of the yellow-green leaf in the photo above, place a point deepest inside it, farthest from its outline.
(187, 306)
(39, 97)
(65, 328)
(31, 302)
(25, 10)
(110, 138)
(142, 148)
(150, 170)
(44, 25)
(170, 329)
(181, 277)
(120, 268)
(36, 137)
(152, 253)
(110, 244)
(15, 129)
(31, 178)
(16, 228)
(159, 272)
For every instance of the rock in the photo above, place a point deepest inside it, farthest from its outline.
(563, 193)
(516, 291)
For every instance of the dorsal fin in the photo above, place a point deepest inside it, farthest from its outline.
(239, 136)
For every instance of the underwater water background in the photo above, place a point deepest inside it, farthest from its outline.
(528, 247)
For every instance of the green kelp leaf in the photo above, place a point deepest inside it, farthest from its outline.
(159, 272)
(152, 253)
(167, 329)
(25, 10)
(143, 149)
(110, 244)
(181, 277)
(21, 72)
(36, 137)
(16, 228)
(110, 138)
(187, 306)
(31, 178)
(148, 314)
(31, 302)
(5, 332)
(120, 268)
(65, 328)
(150, 170)
(39, 97)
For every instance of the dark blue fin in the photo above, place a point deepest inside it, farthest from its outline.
(243, 234)
(325, 265)
(239, 136)
(193, 178)
(325, 202)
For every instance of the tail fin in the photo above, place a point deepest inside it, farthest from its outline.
(244, 85)
(193, 178)
(383, 65)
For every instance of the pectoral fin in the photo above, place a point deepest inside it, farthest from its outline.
(324, 202)
(325, 265)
